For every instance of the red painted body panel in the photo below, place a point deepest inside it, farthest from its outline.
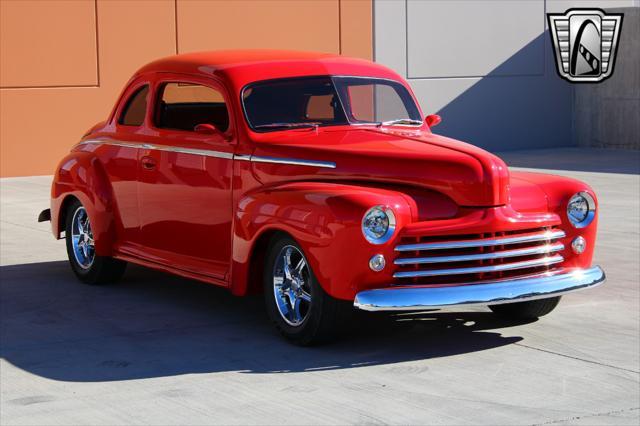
(208, 216)
(464, 173)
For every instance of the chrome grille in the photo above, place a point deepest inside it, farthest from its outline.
(465, 258)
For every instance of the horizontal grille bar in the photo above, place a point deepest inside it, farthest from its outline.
(548, 248)
(489, 242)
(545, 261)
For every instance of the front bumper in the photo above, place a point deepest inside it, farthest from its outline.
(510, 291)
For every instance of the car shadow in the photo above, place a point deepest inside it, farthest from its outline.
(153, 325)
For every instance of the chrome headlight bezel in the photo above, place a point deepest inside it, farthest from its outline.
(382, 237)
(590, 210)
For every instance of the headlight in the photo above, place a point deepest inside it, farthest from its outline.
(581, 209)
(378, 224)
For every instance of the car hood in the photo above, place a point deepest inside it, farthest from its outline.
(467, 174)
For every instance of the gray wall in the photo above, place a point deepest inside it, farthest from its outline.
(607, 115)
(486, 67)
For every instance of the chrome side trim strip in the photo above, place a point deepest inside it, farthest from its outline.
(510, 291)
(202, 152)
(294, 162)
(549, 260)
(110, 142)
(216, 154)
(549, 248)
(545, 236)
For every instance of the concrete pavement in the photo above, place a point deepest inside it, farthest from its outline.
(156, 349)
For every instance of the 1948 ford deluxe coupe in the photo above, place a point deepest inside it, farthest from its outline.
(315, 179)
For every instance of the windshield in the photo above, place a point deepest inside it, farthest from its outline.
(327, 101)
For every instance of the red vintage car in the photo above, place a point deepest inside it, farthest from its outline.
(314, 179)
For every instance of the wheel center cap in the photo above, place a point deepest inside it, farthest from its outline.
(296, 284)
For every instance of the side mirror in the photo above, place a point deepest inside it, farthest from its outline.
(433, 120)
(207, 129)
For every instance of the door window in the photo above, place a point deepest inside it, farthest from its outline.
(182, 106)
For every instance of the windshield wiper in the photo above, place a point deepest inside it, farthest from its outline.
(286, 125)
(400, 121)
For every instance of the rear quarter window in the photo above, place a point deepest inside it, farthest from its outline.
(136, 108)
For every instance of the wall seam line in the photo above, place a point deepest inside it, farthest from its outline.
(476, 76)
(340, 27)
(406, 39)
(61, 86)
(95, 13)
(544, 42)
(373, 30)
(175, 23)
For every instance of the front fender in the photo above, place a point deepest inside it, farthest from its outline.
(81, 175)
(559, 190)
(325, 219)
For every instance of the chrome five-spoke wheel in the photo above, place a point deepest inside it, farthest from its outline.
(291, 286)
(295, 301)
(89, 266)
(82, 239)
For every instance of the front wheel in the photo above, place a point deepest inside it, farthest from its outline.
(298, 306)
(85, 263)
(526, 310)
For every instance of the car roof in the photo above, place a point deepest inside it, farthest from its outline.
(241, 67)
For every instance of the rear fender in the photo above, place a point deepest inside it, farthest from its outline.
(81, 175)
(325, 219)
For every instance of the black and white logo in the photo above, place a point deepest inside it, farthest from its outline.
(585, 42)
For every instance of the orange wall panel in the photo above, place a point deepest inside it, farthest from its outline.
(276, 24)
(55, 45)
(48, 43)
(39, 125)
(132, 33)
(356, 28)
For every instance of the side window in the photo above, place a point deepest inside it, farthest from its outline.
(136, 108)
(182, 106)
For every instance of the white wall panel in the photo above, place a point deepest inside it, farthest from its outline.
(486, 66)
(389, 34)
(474, 38)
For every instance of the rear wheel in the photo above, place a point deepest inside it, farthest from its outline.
(85, 263)
(526, 310)
(295, 302)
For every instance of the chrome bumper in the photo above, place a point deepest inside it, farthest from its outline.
(511, 291)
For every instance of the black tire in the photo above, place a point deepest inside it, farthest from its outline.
(325, 315)
(103, 269)
(526, 310)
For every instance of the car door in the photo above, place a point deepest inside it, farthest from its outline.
(184, 188)
(119, 156)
